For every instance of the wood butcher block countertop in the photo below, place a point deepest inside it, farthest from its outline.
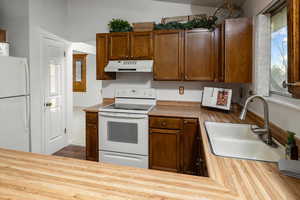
(28, 176)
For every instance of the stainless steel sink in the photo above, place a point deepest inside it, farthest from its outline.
(239, 141)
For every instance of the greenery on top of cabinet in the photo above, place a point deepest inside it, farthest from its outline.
(204, 22)
(119, 25)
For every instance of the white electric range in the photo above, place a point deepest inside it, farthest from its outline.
(123, 128)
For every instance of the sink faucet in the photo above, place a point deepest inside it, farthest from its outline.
(264, 133)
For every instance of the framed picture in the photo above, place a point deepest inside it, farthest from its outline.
(217, 98)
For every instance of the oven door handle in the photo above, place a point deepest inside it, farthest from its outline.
(127, 116)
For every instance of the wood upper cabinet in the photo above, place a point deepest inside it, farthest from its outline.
(199, 55)
(102, 57)
(237, 50)
(119, 46)
(168, 55)
(92, 140)
(219, 53)
(165, 150)
(223, 55)
(135, 45)
(141, 45)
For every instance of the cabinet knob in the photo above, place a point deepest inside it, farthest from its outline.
(164, 123)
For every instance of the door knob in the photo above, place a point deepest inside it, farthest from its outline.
(49, 104)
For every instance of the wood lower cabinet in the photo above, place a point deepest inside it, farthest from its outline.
(165, 150)
(168, 55)
(190, 146)
(92, 140)
(175, 145)
(199, 64)
(102, 57)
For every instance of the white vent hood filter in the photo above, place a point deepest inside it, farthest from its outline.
(129, 66)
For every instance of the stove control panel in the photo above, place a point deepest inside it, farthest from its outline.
(136, 93)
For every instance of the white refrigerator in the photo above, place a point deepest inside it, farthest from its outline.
(14, 104)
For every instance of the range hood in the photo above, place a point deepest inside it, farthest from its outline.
(129, 66)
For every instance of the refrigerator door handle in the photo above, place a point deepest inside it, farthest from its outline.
(28, 120)
(27, 78)
(27, 114)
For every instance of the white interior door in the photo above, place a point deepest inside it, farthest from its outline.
(54, 119)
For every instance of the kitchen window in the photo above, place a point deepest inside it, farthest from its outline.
(279, 51)
(285, 48)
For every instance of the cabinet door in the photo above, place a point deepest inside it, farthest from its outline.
(190, 146)
(238, 50)
(168, 55)
(165, 150)
(199, 55)
(141, 45)
(2, 35)
(92, 146)
(219, 53)
(119, 44)
(102, 57)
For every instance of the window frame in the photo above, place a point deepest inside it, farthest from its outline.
(294, 47)
(293, 20)
(79, 86)
(277, 8)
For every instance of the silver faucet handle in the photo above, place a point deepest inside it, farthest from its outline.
(259, 131)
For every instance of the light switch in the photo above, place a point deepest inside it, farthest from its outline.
(181, 90)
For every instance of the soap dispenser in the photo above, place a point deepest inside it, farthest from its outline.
(291, 147)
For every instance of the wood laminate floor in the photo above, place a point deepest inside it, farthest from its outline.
(72, 151)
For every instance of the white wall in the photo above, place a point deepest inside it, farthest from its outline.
(48, 18)
(92, 96)
(90, 17)
(166, 90)
(78, 128)
(284, 116)
(14, 18)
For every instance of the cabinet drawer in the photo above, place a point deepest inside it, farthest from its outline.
(91, 118)
(166, 123)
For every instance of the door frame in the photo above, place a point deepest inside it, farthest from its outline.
(66, 66)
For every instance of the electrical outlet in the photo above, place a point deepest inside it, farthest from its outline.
(181, 90)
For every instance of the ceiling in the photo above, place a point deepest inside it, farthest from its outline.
(209, 3)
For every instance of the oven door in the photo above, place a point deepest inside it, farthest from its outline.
(123, 132)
